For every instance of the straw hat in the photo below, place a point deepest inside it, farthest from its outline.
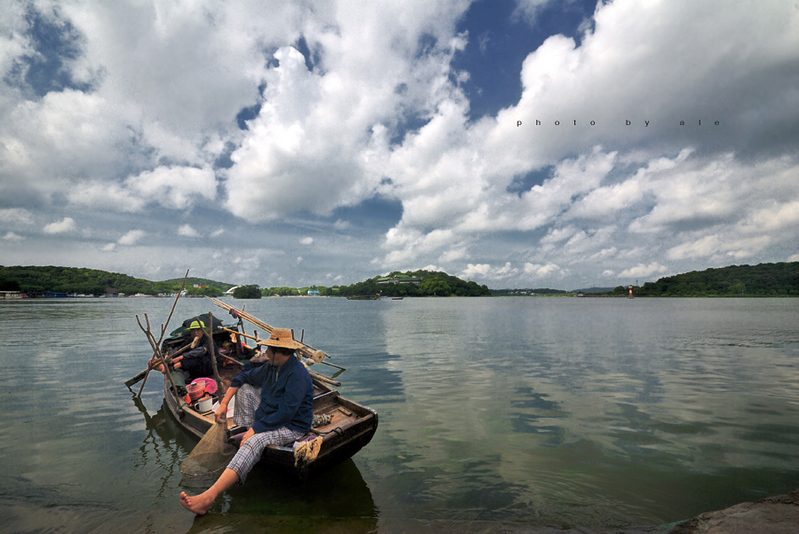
(281, 337)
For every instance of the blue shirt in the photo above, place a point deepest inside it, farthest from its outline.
(286, 395)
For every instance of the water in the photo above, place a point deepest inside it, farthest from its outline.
(494, 412)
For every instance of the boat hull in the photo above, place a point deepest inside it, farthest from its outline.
(351, 428)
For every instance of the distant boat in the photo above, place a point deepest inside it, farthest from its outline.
(397, 298)
(364, 297)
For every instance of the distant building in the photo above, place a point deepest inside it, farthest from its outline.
(313, 292)
(399, 279)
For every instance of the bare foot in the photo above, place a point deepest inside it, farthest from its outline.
(199, 504)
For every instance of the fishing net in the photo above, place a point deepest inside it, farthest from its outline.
(208, 459)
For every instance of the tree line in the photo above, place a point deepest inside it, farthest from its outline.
(763, 280)
(80, 281)
(430, 284)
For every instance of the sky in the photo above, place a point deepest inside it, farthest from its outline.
(516, 143)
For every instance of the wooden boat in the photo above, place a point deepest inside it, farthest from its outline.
(364, 297)
(350, 426)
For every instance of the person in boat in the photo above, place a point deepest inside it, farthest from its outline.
(275, 403)
(196, 361)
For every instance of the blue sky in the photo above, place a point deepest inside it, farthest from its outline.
(516, 143)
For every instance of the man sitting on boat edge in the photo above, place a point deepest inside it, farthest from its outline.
(275, 402)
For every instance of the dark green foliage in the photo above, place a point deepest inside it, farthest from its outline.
(204, 291)
(35, 279)
(764, 280)
(201, 282)
(282, 291)
(247, 292)
(432, 283)
(9, 285)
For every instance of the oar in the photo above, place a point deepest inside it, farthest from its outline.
(155, 363)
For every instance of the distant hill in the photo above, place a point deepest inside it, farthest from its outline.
(415, 284)
(35, 279)
(191, 282)
(72, 280)
(529, 292)
(591, 290)
(763, 280)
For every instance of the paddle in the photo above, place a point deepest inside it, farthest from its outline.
(155, 362)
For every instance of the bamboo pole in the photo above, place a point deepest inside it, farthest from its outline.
(157, 345)
(156, 350)
(324, 378)
(219, 385)
(239, 333)
(306, 350)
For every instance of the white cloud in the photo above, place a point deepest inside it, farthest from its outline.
(775, 217)
(541, 271)
(607, 201)
(306, 241)
(174, 186)
(701, 248)
(65, 225)
(131, 238)
(643, 271)
(529, 9)
(326, 130)
(106, 196)
(158, 131)
(187, 231)
(480, 270)
(490, 272)
(746, 247)
(11, 236)
(15, 216)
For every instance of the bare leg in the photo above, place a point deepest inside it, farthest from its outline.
(199, 504)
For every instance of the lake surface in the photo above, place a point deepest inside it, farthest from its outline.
(494, 412)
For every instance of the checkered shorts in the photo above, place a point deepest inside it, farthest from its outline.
(247, 399)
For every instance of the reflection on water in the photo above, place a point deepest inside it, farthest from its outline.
(599, 412)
